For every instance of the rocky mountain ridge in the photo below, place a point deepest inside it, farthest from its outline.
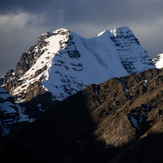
(117, 121)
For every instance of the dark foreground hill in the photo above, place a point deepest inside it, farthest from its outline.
(118, 121)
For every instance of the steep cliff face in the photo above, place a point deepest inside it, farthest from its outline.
(132, 56)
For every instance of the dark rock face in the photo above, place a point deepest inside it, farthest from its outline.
(28, 59)
(117, 121)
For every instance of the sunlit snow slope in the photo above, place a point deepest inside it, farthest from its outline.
(64, 62)
(159, 61)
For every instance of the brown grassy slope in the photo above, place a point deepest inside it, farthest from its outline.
(96, 125)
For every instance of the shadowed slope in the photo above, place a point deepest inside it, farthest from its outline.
(119, 121)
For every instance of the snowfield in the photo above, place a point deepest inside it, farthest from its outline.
(159, 61)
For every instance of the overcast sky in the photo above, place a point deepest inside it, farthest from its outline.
(23, 21)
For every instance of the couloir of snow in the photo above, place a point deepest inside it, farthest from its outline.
(159, 61)
(113, 53)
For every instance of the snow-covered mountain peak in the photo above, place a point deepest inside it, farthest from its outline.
(63, 63)
(61, 31)
(122, 31)
(158, 61)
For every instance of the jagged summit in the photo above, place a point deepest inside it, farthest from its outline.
(124, 30)
(63, 63)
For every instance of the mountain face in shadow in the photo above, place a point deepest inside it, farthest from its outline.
(118, 121)
(147, 149)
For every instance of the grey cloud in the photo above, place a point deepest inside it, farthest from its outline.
(86, 18)
(17, 34)
(99, 11)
